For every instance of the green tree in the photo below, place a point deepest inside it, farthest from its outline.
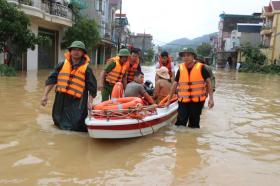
(253, 54)
(149, 56)
(204, 49)
(84, 30)
(14, 31)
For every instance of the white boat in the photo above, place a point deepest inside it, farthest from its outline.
(130, 128)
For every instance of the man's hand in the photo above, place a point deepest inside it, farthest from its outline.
(101, 87)
(167, 103)
(44, 101)
(211, 103)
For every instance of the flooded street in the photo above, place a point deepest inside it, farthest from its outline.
(238, 143)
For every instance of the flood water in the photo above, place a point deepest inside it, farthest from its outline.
(238, 143)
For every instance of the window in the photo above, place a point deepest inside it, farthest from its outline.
(98, 5)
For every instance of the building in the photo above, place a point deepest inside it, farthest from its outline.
(122, 30)
(248, 34)
(104, 13)
(142, 41)
(228, 36)
(271, 31)
(50, 20)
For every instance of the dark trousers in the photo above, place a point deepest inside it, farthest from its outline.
(189, 112)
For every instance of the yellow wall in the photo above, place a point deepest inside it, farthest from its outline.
(276, 46)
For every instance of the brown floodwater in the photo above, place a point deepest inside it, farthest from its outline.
(238, 143)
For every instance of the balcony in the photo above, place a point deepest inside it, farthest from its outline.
(267, 28)
(48, 11)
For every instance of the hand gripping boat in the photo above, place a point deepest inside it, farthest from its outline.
(120, 122)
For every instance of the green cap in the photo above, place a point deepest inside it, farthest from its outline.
(77, 44)
(187, 50)
(124, 52)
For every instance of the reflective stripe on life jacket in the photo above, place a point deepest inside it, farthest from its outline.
(191, 86)
(117, 73)
(72, 81)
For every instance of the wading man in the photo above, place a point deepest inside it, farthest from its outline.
(192, 83)
(73, 80)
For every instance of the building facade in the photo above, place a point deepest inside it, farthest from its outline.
(48, 19)
(271, 31)
(104, 13)
(142, 41)
(229, 37)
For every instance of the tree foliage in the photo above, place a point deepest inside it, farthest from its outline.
(253, 54)
(84, 30)
(204, 49)
(148, 57)
(14, 29)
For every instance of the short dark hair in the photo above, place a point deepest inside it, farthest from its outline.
(138, 73)
(164, 54)
(135, 51)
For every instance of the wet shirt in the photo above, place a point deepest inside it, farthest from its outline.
(204, 72)
(134, 89)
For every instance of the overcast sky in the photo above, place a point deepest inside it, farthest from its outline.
(167, 20)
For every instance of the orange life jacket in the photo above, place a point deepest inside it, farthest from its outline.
(131, 70)
(168, 65)
(72, 81)
(191, 86)
(117, 73)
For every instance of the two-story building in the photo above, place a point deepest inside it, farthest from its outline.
(50, 19)
(271, 31)
(228, 36)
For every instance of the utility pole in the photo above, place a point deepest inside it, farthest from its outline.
(143, 46)
(120, 27)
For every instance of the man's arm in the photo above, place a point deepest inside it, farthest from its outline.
(148, 98)
(172, 72)
(44, 100)
(172, 92)
(156, 91)
(50, 83)
(124, 81)
(210, 92)
(102, 79)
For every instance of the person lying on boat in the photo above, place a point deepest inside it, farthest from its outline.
(73, 79)
(136, 88)
(162, 85)
(115, 71)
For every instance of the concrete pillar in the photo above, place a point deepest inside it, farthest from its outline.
(1, 58)
(32, 55)
(104, 54)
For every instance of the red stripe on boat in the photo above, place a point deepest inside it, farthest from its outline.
(133, 126)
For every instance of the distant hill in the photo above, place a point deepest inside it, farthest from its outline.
(178, 43)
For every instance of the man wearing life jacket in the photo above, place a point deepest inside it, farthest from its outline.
(114, 71)
(192, 84)
(166, 61)
(133, 65)
(75, 87)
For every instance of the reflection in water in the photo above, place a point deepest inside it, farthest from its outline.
(238, 143)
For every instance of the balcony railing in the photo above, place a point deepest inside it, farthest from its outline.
(48, 7)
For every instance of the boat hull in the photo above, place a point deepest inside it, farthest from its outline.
(130, 128)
